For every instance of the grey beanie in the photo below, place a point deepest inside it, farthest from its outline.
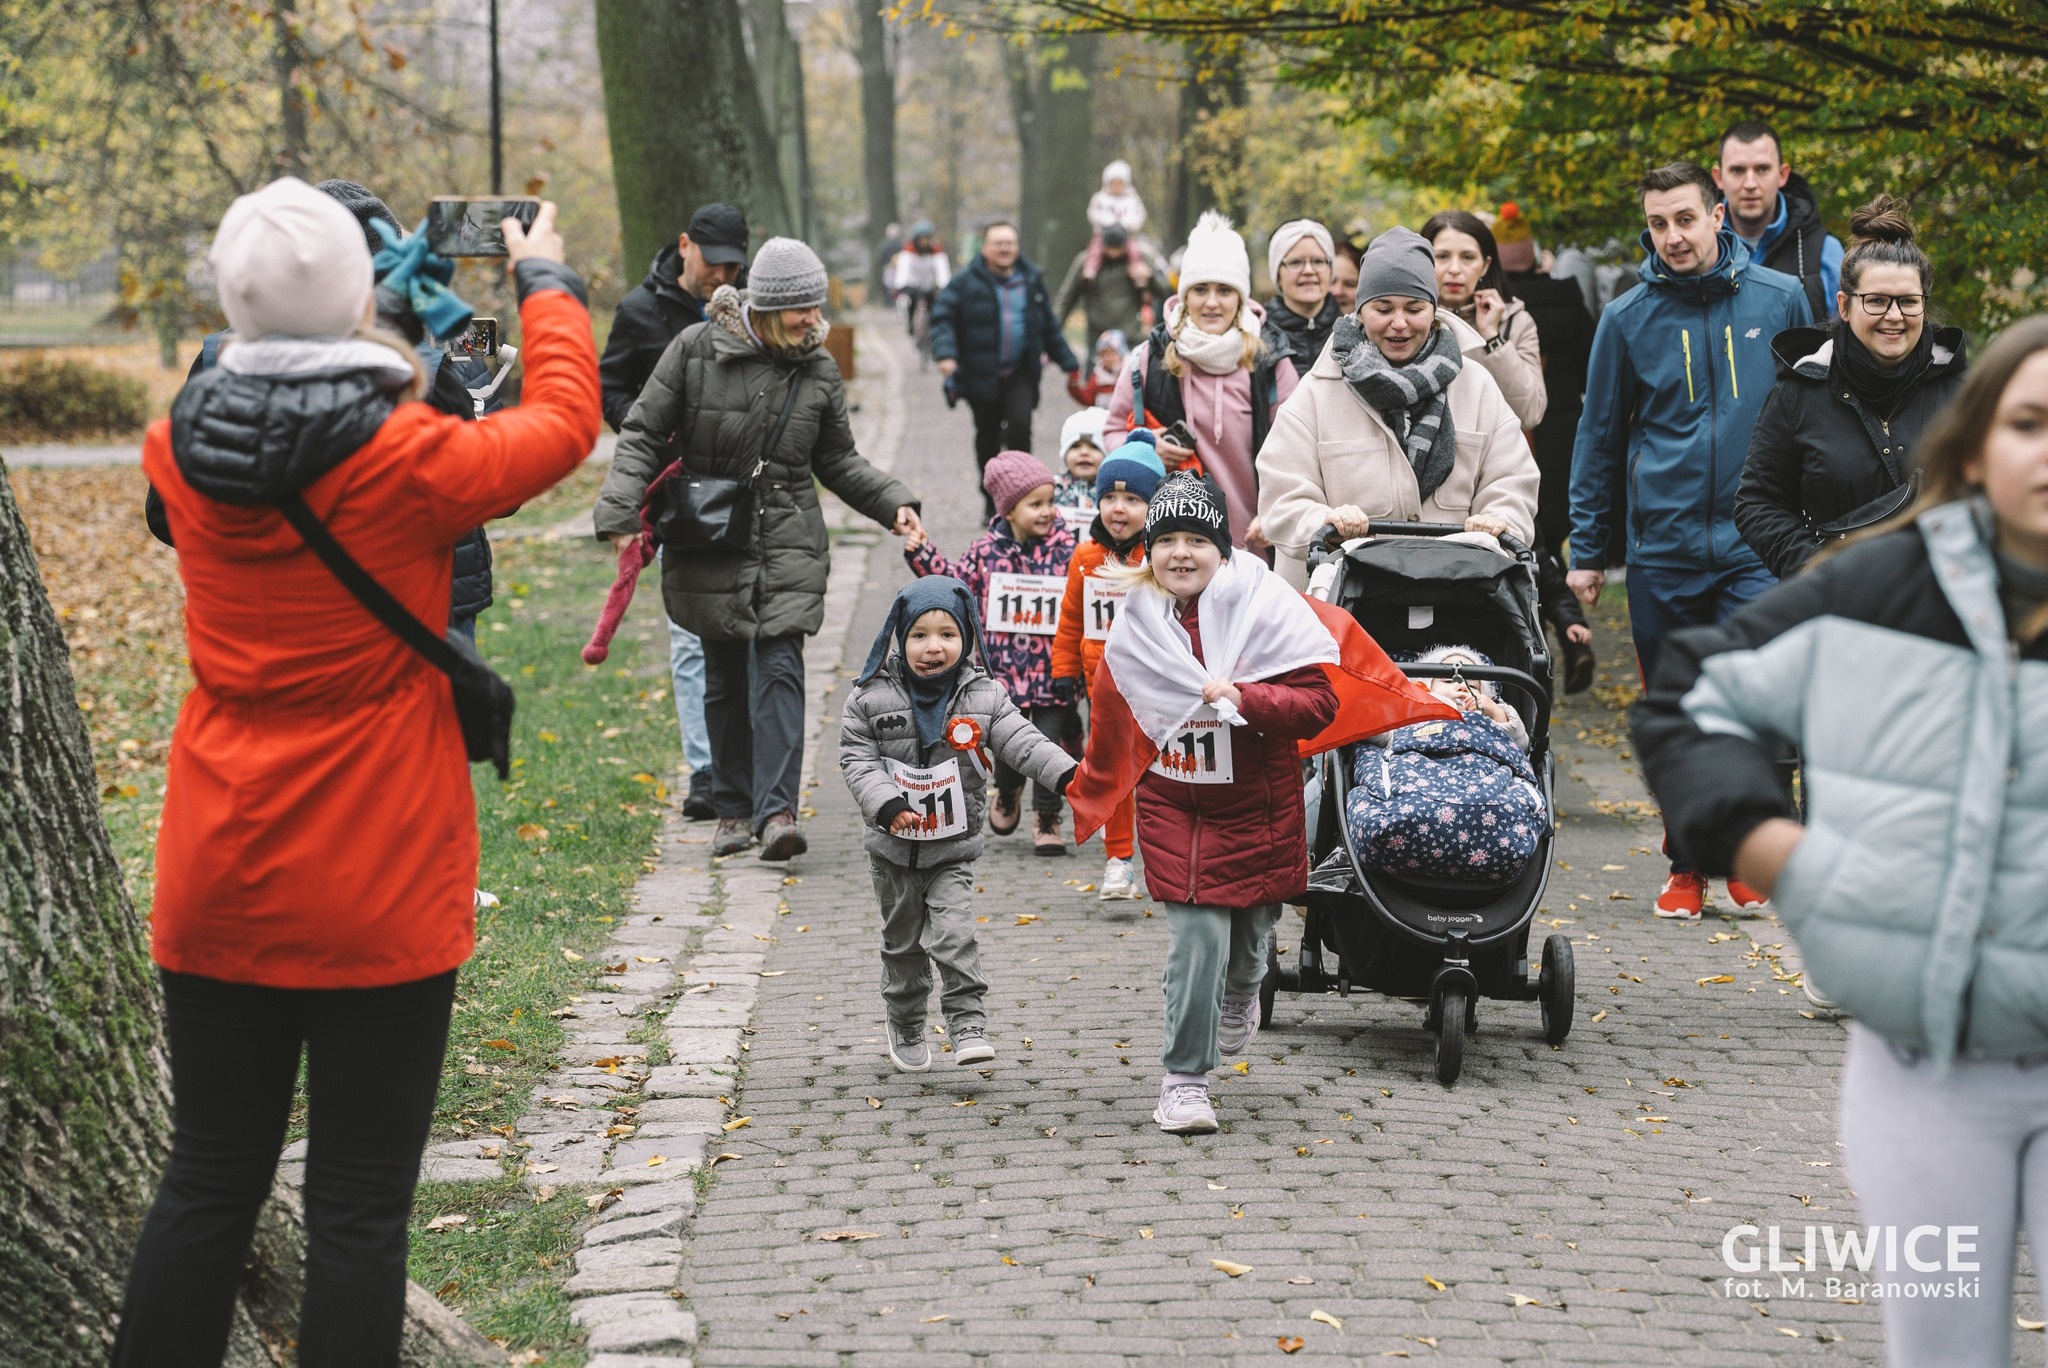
(785, 275)
(1401, 262)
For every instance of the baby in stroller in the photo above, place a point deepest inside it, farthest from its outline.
(1449, 800)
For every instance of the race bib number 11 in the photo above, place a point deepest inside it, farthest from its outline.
(1024, 603)
(1199, 753)
(935, 796)
(1099, 602)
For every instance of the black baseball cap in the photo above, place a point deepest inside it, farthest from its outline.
(720, 232)
(1116, 235)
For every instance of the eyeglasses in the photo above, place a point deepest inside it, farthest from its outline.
(1305, 264)
(1878, 305)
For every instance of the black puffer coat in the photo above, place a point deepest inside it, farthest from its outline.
(1821, 463)
(714, 400)
(1287, 333)
(967, 327)
(649, 317)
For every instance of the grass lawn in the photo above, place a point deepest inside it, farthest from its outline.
(595, 751)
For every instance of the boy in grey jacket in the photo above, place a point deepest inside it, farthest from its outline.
(916, 743)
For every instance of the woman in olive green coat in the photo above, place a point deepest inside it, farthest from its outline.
(717, 400)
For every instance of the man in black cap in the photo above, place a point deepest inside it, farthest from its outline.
(682, 279)
(684, 276)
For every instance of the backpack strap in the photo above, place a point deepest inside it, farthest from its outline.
(366, 590)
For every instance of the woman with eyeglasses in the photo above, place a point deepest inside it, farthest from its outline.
(1832, 450)
(1301, 259)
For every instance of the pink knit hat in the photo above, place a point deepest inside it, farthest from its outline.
(1010, 475)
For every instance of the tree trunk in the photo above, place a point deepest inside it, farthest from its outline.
(878, 119)
(1066, 179)
(289, 57)
(686, 121)
(1214, 83)
(1020, 77)
(779, 67)
(84, 1095)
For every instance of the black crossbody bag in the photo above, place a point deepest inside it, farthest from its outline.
(483, 701)
(708, 515)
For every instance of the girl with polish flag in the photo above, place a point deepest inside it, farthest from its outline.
(1216, 679)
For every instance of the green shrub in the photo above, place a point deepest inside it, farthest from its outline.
(58, 401)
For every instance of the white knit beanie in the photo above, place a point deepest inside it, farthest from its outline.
(1088, 423)
(1215, 255)
(1118, 170)
(1286, 236)
(289, 261)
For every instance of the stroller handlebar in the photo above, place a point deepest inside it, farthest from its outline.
(1327, 540)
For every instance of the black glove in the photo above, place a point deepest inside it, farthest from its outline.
(1064, 690)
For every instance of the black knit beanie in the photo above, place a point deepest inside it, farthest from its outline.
(1186, 502)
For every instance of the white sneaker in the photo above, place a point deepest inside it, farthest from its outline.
(1119, 880)
(1239, 1023)
(1814, 995)
(484, 900)
(1184, 1109)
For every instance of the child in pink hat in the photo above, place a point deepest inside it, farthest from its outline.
(1017, 571)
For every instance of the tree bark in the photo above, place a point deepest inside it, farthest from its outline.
(84, 1092)
(288, 57)
(877, 118)
(685, 117)
(779, 67)
(1214, 83)
(1051, 101)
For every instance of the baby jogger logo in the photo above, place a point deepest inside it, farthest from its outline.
(1924, 1262)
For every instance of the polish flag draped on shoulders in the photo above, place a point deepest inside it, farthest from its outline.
(1254, 626)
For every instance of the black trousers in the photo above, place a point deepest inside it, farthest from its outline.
(754, 713)
(1053, 721)
(373, 1059)
(1003, 423)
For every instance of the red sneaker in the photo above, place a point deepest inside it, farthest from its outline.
(1743, 896)
(1682, 896)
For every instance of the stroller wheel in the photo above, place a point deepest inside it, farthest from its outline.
(1554, 990)
(1269, 987)
(1450, 1036)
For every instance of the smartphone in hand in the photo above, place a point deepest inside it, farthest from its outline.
(470, 225)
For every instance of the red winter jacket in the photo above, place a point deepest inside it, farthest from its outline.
(1244, 843)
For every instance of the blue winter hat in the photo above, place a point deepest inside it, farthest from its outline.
(1134, 468)
(942, 593)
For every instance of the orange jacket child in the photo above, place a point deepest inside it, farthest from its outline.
(1089, 607)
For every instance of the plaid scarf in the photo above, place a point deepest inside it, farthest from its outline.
(1411, 397)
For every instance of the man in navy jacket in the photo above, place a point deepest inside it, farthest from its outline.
(992, 330)
(1679, 371)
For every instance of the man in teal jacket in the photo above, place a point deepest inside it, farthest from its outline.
(1680, 368)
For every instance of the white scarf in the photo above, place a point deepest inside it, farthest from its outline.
(1213, 353)
(307, 355)
(1254, 626)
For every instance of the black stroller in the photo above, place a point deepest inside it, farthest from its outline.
(1439, 940)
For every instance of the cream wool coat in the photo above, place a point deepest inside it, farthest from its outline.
(1516, 365)
(1327, 448)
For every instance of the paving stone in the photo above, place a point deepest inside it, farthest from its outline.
(627, 1278)
(444, 1170)
(635, 1361)
(651, 1251)
(636, 1227)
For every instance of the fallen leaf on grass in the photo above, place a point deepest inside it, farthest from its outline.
(545, 1192)
(599, 1201)
(1288, 1344)
(448, 1222)
(1326, 1318)
(535, 1167)
(501, 1044)
(847, 1236)
(571, 955)
(1235, 1270)
(531, 831)
(447, 1289)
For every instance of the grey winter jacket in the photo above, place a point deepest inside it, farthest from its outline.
(1919, 893)
(713, 399)
(876, 725)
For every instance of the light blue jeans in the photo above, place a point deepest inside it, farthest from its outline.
(686, 674)
(686, 669)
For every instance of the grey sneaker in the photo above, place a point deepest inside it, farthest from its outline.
(1239, 1023)
(731, 837)
(907, 1048)
(970, 1046)
(1184, 1109)
(782, 838)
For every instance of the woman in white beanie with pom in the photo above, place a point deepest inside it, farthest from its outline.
(316, 865)
(1207, 368)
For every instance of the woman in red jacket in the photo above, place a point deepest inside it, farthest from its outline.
(318, 855)
(1219, 813)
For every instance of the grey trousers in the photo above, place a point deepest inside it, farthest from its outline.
(1967, 1150)
(1210, 952)
(926, 917)
(754, 710)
